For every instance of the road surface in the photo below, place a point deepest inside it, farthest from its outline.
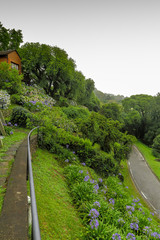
(144, 179)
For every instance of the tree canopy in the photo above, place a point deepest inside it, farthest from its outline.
(51, 68)
(10, 38)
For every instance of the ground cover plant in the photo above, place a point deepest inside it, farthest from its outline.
(107, 209)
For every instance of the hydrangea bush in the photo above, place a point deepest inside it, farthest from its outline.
(5, 97)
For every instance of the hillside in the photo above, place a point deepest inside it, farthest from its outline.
(78, 171)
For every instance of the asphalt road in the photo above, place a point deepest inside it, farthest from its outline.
(146, 182)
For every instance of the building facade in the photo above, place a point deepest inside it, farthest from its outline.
(11, 57)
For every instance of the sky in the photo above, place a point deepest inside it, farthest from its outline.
(114, 42)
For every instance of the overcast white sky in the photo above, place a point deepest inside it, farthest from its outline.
(114, 42)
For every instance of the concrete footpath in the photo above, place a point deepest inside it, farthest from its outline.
(13, 219)
(144, 179)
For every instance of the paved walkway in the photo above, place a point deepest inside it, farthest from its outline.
(13, 219)
(146, 182)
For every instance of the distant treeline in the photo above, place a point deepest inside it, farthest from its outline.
(107, 97)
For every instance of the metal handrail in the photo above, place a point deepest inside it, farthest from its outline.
(35, 222)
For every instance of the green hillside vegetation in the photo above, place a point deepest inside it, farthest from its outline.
(108, 97)
(83, 169)
(80, 166)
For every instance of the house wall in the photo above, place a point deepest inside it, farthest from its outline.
(3, 59)
(13, 57)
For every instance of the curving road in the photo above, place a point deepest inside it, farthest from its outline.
(146, 182)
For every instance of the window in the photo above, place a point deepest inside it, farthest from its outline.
(14, 65)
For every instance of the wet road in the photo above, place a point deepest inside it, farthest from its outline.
(144, 179)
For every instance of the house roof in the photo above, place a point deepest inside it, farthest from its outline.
(4, 53)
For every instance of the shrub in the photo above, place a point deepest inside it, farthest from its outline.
(55, 139)
(20, 116)
(76, 112)
(16, 98)
(10, 79)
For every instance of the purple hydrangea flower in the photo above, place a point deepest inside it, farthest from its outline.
(100, 180)
(130, 236)
(83, 164)
(147, 230)
(86, 178)
(15, 124)
(80, 171)
(121, 221)
(116, 236)
(136, 200)
(93, 213)
(128, 207)
(111, 201)
(66, 160)
(96, 187)
(154, 234)
(94, 223)
(134, 226)
(91, 181)
(11, 132)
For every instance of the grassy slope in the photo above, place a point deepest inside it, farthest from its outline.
(58, 219)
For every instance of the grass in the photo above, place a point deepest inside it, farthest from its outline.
(57, 217)
(8, 141)
(151, 160)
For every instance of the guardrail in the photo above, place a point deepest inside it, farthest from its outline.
(35, 222)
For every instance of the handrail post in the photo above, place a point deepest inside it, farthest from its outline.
(35, 222)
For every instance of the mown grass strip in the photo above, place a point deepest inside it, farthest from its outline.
(151, 160)
(57, 217)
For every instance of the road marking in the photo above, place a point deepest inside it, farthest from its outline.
(143, 194)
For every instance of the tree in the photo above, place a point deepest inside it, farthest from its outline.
(52, 69)
(132, 122)
(156, 146)
(111, 110)
(10, 38)
(141, 104)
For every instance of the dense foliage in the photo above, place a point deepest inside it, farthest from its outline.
(107, 209)
(10, 38)
(53, 70)
(10, 79)
(142, 117)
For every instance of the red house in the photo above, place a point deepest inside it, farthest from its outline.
(11, 57)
